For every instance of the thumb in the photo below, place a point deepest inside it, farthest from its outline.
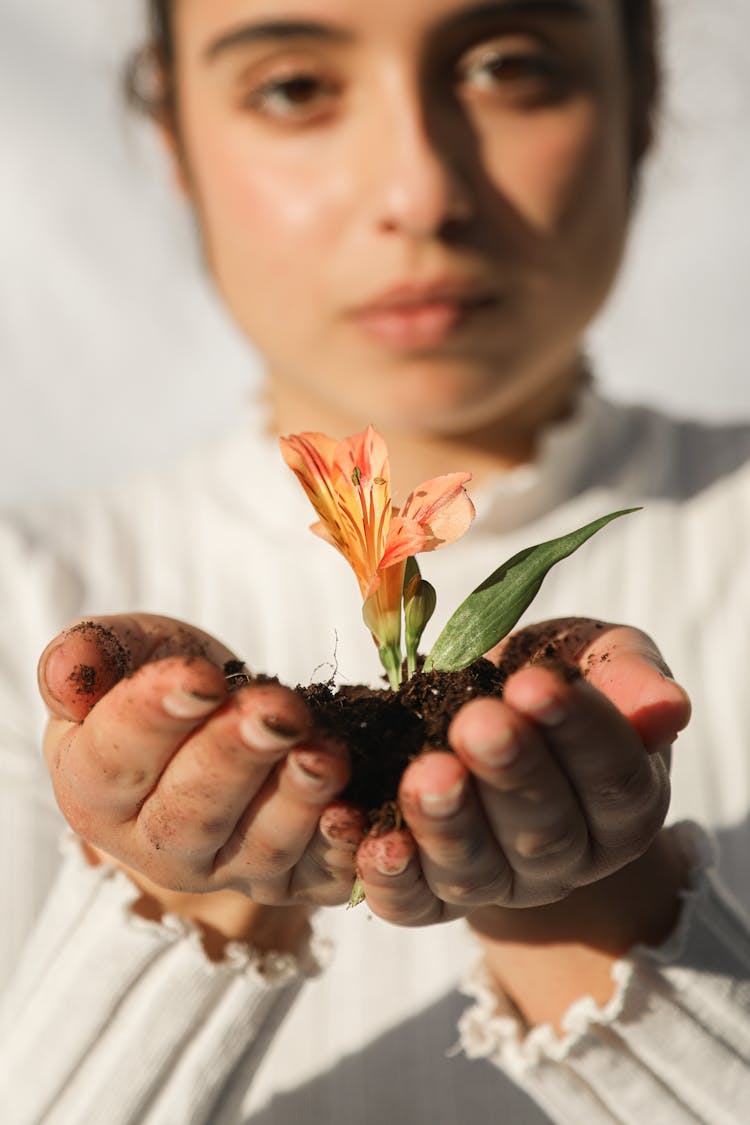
(79, 666)
(628, 668)
(88, 658)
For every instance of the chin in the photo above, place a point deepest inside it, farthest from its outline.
(450, 407)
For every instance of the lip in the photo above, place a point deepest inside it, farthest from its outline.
(419, 315)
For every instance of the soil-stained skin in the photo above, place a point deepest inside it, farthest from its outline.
(107, 659)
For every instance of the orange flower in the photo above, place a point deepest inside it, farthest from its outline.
(348, 484)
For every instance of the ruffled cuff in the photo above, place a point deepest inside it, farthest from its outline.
(113, 1017)
(672, 1043)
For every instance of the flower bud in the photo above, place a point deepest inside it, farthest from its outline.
(420, 600)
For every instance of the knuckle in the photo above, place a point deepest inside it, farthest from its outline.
(425, 912)
(630, 788)
(462, 852)
(496, 888)
(554, 842)
(105, 763)
(213, 827)
(269, 858)
(639, 820)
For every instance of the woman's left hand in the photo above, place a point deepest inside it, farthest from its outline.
(556, 786)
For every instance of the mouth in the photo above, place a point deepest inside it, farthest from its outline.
(411, 318)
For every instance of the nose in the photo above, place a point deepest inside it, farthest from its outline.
(422, 191)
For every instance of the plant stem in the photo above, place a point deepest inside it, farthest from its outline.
(390, 658)
(411, 660)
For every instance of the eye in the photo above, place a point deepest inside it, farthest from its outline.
(298, 96)
(523, 72)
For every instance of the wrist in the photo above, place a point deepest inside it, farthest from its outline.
(544, 958)
(220, 916)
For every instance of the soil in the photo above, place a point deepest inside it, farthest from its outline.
(385, 730)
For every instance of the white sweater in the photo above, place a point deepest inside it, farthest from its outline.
(109, 1018)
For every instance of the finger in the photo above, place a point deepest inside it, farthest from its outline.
(392, 880)
(279, 824)
(623, 791)
(325, 874)
(113, 760)
(89, 657)
(208, 783)
(460, 854)
(627, 667)
(526, 798)
(623, 663)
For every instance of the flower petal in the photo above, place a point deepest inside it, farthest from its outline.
(442, 507)
(405, 537)
(368, 453)
(310, 457)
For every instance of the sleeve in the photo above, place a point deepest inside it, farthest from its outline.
(104, 1015)
(672, 1044)
(112, 1017)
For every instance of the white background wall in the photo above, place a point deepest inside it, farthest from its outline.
(113, 351)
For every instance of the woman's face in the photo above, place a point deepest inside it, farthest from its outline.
(412, 208)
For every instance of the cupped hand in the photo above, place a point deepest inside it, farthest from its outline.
(557, 786)
(158, 764)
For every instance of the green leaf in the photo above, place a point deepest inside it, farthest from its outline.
(357, 896)
(490, 612)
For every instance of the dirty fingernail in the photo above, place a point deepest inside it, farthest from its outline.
(189, 704)
(443, 804)
(266, 732)
(391, 866)
(341, 826)
(308, 770)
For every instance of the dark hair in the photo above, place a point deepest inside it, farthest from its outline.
(150, 73)
(149, 76)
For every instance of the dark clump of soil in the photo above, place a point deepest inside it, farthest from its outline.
(83, 677)
(385, 730)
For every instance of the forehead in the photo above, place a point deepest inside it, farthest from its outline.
(361, 18)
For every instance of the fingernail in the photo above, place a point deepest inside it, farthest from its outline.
(189, 704)
(443, 804)
(548, 711)
(268, 733)
(387, 866)
(48, 658)
(503, 749)
(341, 826)
(307, 768)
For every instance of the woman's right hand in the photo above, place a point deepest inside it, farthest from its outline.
(157, 764)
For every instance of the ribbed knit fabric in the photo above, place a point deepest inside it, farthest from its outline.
(181, 1019)
(685, 1001)
(109, 1018)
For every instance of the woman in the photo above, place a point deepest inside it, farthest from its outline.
(413, 211)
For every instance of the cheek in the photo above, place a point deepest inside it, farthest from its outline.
(257, 206)
(550, 169)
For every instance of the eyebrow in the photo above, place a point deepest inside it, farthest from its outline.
(275, 30)
(562, 9)
(286, 29)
